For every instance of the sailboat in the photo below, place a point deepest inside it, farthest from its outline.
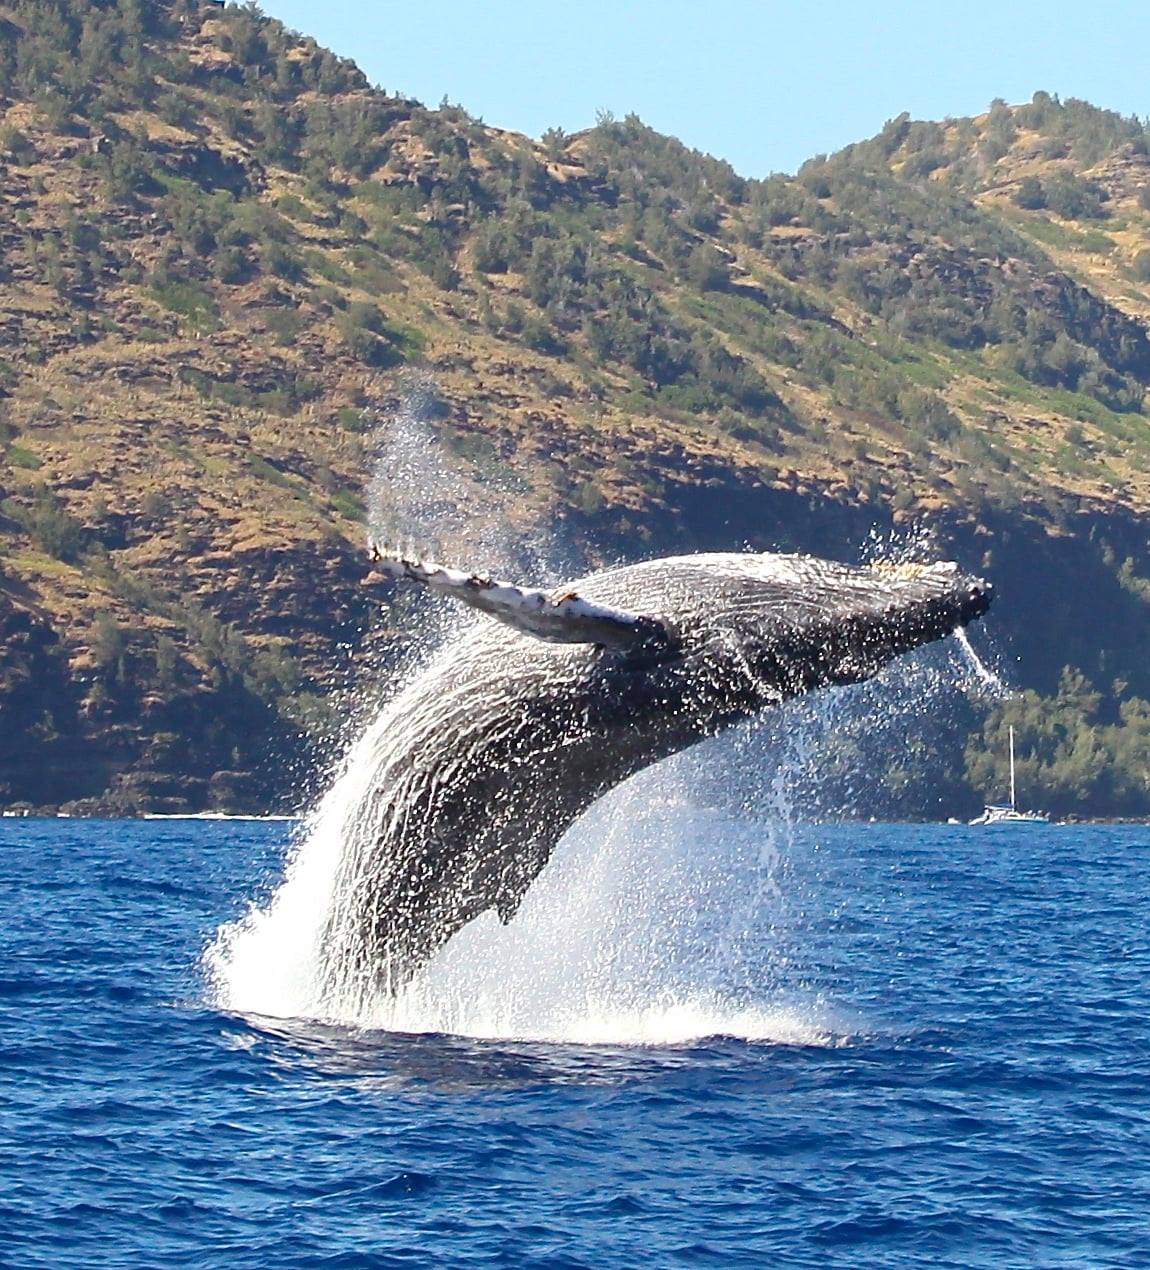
(1001, 814)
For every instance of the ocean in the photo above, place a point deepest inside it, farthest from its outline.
(756, 1045)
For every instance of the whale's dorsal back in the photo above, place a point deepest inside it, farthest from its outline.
(561, 617)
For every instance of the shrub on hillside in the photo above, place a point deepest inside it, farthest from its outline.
(1075, 198)
(1030, 194)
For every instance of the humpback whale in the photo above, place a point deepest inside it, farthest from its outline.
(488, 756)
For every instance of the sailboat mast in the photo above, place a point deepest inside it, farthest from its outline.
(1013, 804)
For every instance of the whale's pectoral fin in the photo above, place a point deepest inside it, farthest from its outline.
(563, 618)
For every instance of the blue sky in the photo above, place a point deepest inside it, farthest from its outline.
(764, 85)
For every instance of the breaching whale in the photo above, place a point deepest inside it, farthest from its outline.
(488, 756)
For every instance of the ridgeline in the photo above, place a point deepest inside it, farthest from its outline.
(225, 255)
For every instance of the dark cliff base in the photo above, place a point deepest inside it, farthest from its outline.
(1059, 598)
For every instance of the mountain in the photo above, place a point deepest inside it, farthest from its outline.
(226, 257)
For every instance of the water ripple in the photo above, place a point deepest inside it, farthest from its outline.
(948, 1066)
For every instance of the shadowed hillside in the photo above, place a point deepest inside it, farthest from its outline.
(225, 256)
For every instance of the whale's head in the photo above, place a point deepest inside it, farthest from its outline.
(745, 631)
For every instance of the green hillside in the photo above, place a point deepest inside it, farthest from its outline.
(225, 256)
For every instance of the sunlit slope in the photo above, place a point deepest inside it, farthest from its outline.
(225, 253)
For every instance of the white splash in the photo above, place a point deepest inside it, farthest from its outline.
(657, 922)
(268, 961)
(423, 505)
(986, 680)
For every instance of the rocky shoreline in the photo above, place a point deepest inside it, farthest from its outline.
(97, 809)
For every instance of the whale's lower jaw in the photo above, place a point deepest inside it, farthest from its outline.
(495, 750)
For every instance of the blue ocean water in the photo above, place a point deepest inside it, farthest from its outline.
(973, 1088)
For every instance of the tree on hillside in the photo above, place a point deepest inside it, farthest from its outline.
(1075, 198)
(1076, 753)
(1030, 194)
(706, 268)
